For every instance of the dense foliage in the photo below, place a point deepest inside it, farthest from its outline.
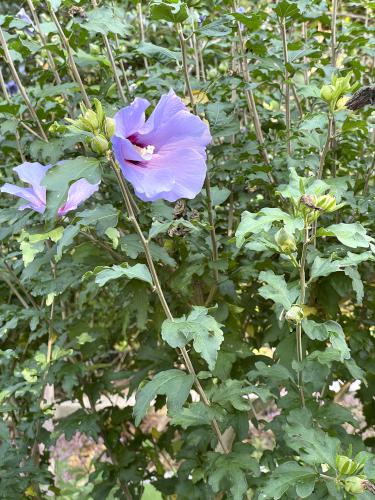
(196, 341)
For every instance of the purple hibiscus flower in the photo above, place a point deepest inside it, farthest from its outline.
(165, 156)
(22, 14)
(11, 87)
(33, 174)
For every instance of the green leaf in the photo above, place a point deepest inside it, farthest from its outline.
(232, 392)
(228, 471)
(216, 29)
(328, 330)
(196, 414)
(175, 384)
(58, 179)
(102, 20)
(352, 235)
(160, 53)
(262, 221)
(101, 217)
(151, 493)
(276, 289)
(252, 22)
(173, 11)
(287, 475)
(103, 274)
(314, 446)
(203, 329)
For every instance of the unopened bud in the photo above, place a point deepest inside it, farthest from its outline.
(341, 103)
(327, 92)
(345, 465)
(99, 144)
(90, 120)
(354, 485)
(294, 314)
(327, 203)
(285, 241)
(109, 127)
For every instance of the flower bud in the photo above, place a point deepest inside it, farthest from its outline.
(90, 120)
(294, 314)
(310, 201)
(341, 103)
(354, 485)
(109, 127)
(345, 465)
(327, 92)
(99, 144)
(327, 202)
(285, 241)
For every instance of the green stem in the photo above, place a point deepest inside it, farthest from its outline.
(142, 31)
(302, 278)
(158, 289)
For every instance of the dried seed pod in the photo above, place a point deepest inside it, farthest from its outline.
(363, 96)
(309, 201)
(180, 209)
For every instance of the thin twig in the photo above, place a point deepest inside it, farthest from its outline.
(17, 134)
(158, 289)
(22, 89)
(287, 86)
(251, 103)
(71, 62)
(142, 31)
(122, 66)
(112, 61)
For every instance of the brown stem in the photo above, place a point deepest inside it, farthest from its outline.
(251, 103)
(160, 293)
(326, 147)
(122, 66)
(22, 89)
(214, 251)
(112, 61)
(333, 33)
(69, 51)
(287, 86)
(7, 98)
(142, 31)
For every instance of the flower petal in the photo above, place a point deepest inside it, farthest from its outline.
(131, 118)
(124, 150)
(168, 105)
(78, 192)
(33, 173)
(169, 176)
(182, 126)
(27, 194)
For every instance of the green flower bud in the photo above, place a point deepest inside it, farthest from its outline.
(99, 144)
(345, 465)
(109, 127)
(294, 314)
(99, 112)
(285, 241)
(90, 120)
(326, 202)
(327, 92)
(341, 103)
(354, 485)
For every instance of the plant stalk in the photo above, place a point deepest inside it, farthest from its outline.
(69, 52)
(287, 86)
(22, 89)
(158, 289)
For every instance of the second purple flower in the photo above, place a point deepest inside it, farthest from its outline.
(165, 156)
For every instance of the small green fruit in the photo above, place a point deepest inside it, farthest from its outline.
(327, 92)
(109, 127)
(354, 485)
(345, 465)
(99, 144)
(294, 314)
(91, 120)
(285, 241)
